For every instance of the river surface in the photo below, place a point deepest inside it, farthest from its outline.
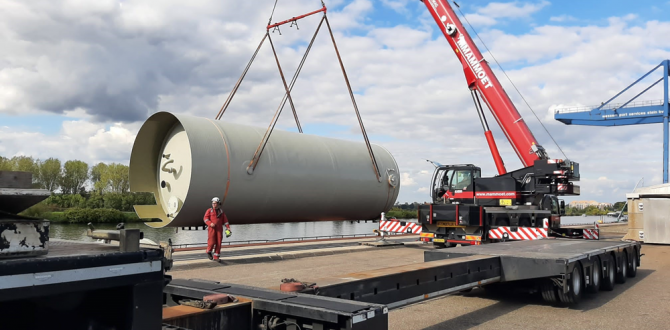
(256, 231)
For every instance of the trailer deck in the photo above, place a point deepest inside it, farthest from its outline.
(561, 269)
(522, 260)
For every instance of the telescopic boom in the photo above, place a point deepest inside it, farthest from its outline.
(481, 79)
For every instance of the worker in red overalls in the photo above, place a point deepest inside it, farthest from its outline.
(215, 220)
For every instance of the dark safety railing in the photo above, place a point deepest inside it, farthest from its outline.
(286, 239)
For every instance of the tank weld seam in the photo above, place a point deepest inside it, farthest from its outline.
(225, 194)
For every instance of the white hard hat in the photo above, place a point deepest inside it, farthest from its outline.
(216, 199)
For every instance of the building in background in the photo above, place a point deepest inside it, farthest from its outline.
(584, 204)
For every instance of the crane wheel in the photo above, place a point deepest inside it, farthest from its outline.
(632, 268)
(575, 287)
(623, 269)
(596, 276)
(609, 277)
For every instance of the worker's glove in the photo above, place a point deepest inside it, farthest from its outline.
(228, 232)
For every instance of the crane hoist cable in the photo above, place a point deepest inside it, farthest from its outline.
(510, 80)
(288, 88)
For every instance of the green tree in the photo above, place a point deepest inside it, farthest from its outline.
(593, 210)
(25, 164)
(117, 177)
(618, 206)
(49, 174)
(75, 174)
(96, 201)
(113, 201)
(5, 164)
(97, 172)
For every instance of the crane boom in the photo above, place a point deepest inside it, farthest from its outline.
(480, 78)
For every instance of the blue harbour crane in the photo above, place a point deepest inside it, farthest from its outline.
(630, 112)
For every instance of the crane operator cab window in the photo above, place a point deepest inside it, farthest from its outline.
(441, 183)
(463, 179)
(450, 180)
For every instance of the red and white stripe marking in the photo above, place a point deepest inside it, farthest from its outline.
(522, 233)
(395, 226)
(592, 233)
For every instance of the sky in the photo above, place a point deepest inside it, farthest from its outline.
(78, 78)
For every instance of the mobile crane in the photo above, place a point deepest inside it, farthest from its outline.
(469, 209)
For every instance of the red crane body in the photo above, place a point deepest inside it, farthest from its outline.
(480, 78)
(470, 209)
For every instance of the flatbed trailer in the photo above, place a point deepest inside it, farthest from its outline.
(82, 286)
(561, 270)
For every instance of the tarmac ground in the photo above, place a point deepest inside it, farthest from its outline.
(643, 301)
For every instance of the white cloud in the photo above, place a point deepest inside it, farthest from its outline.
(480, 20)
(397, 5)
(514, 9)
(111, 66)
(406, 179)
(81, 140)
(562, 18)
(488, 15)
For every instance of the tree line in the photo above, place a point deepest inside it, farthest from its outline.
(72, 176)
(80, 193)
(593, 210)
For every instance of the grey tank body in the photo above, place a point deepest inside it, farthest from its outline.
(185, 161)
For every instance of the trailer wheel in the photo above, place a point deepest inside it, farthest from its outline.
(632, 269)
(610, 274)
(548, 290)
(575, 287)
(623, 269)
(596, 276)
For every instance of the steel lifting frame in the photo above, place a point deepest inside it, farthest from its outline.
(275, 27)
(619, 115)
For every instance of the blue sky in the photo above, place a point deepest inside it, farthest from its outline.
(110, 64)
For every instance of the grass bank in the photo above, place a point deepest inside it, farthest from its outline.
(81, 215)
(399, 213)
(92, 216)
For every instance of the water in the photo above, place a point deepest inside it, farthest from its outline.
(240, 232)
(257, 231)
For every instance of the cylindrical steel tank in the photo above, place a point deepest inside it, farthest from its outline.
(185, 161)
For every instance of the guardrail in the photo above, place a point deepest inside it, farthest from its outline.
(287, 239)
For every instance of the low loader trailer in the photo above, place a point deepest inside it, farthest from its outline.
(127, 286)
(560, 270)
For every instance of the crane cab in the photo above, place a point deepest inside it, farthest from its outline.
(454, 183)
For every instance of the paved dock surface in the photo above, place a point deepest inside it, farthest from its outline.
(642, 302)
(258, 253)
